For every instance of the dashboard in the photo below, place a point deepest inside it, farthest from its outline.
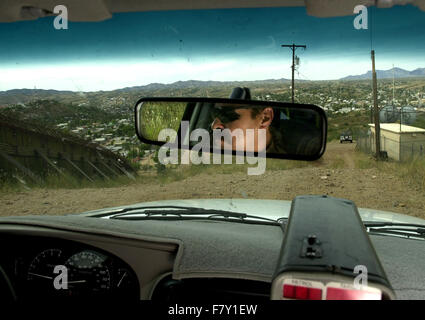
(47, 263)
(106, 259)
(101, 259)
(48, 268)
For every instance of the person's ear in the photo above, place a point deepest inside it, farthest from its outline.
(266, 118)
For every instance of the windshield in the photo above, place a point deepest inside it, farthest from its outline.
(68, 91)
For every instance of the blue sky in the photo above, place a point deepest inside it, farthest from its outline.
(235, 44)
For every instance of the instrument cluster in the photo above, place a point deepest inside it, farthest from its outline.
(55, 268)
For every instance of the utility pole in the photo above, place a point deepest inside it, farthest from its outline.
(376, 109)
(401, 110)
(393, 87)
(293, 48)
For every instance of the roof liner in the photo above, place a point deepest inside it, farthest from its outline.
(98, 10)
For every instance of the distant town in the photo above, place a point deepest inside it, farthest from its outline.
(106, 117)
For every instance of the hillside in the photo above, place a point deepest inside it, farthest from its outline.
(51, 113)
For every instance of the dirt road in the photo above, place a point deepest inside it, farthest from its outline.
(336, 174)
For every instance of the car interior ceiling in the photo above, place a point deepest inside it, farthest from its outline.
(17, 10)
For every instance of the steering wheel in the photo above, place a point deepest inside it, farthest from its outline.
(7, 292)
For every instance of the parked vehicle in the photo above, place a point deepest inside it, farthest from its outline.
(346, 136)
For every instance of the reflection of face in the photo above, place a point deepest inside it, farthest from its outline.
(244, 128)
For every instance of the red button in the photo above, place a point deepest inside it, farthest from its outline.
(301, 293)
(288, 291)
(314, 294)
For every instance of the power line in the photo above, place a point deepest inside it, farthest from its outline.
(303, 75)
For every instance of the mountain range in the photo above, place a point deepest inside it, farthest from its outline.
(204, 84)
(384, 74)
(189, 88)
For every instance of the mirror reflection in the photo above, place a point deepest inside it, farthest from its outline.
(210, 124)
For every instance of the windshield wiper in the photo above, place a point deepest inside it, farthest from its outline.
(186, 213)
(397, 229)
(118, 211)
(182, 213)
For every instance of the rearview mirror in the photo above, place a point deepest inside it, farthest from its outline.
(250, 127)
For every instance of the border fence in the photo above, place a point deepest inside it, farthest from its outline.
(411, 150)
(364, 143)
(32, 152)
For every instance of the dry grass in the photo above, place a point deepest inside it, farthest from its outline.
(412, 171)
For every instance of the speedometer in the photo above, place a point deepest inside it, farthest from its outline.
(88, 272)
(40, 273)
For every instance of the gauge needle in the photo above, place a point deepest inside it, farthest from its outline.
(40, 275)
(119, 282)
(51, 278)
(77, 281)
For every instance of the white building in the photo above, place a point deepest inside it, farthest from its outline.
(401, 142)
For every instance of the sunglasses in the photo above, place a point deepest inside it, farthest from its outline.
(225, 114)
